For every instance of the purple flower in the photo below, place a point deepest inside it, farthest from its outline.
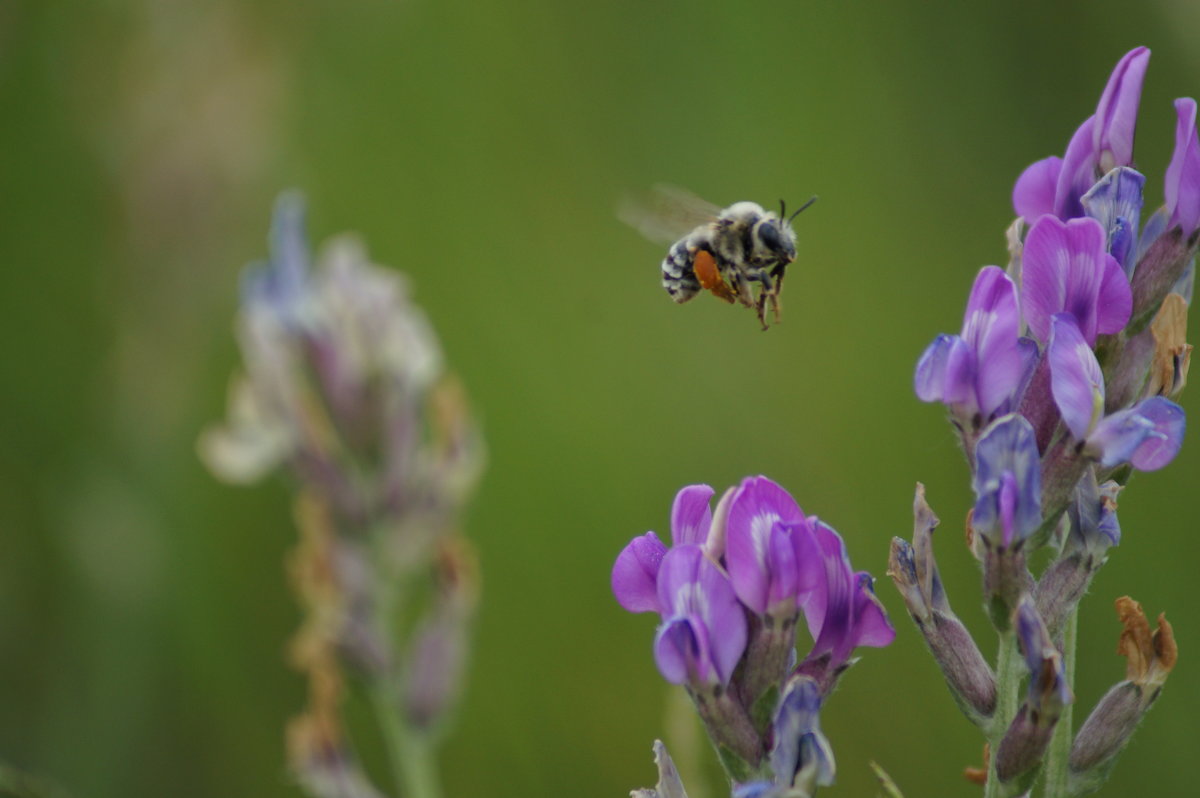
(1065, 268)
(1147, 435)
(1116, 115)
(769, 548)
(703, 633)
(635, 573)
(1116, 203)
(979, 373)
(1182, 182)
(843, 613)
(1103, 142)
(801, 756)
(1007, 482)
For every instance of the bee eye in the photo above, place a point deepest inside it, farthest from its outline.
(769, 234)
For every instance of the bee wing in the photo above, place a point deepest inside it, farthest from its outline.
(667, 213)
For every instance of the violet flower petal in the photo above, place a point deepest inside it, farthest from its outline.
(945, 372)
(1007, 481)
(872, 627)
(990, 328)
(1078, 172)
(1147, 435)
(783, 577)
(800, 752)
(1182, 181)
(681, 651)
(1116, 202)
(1065, 268)
(691, 586)
(691, 516)
(1075, 377)
(753, 513)
(1116, 115)
(635, 574)
(1033, 194)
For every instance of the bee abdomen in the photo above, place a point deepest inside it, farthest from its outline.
(678, 277)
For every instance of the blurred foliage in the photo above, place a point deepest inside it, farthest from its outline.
(481, 147)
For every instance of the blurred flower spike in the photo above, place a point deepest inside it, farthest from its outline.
(345, 391)
(730, 591)
(344, 380)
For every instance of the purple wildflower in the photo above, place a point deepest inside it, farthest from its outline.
(1007, 483)
(1065, 268)
(979, 373)
(844, 612)
(1182, 182)
(1116, 203)
(703, 632)
(801, 756)
(1103, 142)
(769, 548)
(635, 573)
(1147, 435)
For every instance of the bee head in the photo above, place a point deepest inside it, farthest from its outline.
(775, 239)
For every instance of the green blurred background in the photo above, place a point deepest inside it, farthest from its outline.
(482, 147)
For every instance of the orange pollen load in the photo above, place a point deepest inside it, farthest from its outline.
(705, 268)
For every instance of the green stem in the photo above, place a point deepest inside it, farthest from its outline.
(1060, 744)
(1008, 684)
(410, 751)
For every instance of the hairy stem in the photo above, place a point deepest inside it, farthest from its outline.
(1060, 744)
(1008, 684)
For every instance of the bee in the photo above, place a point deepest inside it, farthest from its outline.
(727, 251)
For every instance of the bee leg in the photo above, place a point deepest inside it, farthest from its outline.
(761, 308)
(768, 292)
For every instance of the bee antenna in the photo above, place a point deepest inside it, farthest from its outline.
(782, 210)
(811, 200)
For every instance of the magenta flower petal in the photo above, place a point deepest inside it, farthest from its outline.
(692, 588)
(1116, 115)
(1182, 182)
(635, 574)
(872, 626)
(1075, 378)
(783, 579)
(1078, 172)
(682, 653)
(1033, 195)
(828, 607)
(754, 511)
(691, 516)
(981, 371)
(991, 327)
(1114, 301)
(1065, 268)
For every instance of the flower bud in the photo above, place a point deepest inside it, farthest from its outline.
(1025, 741)
(669, 785)
(915, 573)
(1150, 656)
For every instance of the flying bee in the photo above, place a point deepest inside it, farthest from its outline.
(726, 252)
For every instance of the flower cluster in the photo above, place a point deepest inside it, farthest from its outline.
(730, 590)
(1059, 385)
(345, 390)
